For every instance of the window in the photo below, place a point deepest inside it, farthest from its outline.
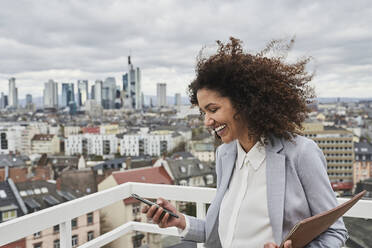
(8, 215)
(37, 235)
(90, 218)
(56, 228)
(90, 235)
(74, 223)
(209, 179)
(136, 208)
(74, 240)
(56, 243)
(38, 245)
(2, 194)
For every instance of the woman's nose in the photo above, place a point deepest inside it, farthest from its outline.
(208, 121)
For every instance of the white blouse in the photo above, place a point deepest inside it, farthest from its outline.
(244, 218)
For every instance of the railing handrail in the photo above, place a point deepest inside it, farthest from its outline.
(28, 224)
(63, 213)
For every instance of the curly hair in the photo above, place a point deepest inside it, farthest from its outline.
(269, 94)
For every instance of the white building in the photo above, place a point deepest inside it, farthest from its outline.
(50, 94)
(74, 144)
(161, 94)
(93, 108)
(71, 130)
(13, 93)
(91, 144)
(154, 144)
(8, 141)
(98, 92)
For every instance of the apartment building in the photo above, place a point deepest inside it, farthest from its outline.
(153, 144)
(338, 148)
(204, 151)
(91, 144)
(11, 207)
(130, 209)
(362, 168)
(45, 143)
(38, 195)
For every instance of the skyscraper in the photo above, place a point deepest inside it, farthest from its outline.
(134, 79)
(13, 93)
(68, 94)
(98, 92)
(50, 94)
(29, 105)
(82, 92)
(3, 101)
(92, 92)
(109, 93)
(161, 94)
(28, 99)
(177, 99)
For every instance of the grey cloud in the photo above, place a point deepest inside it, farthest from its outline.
(165, 36)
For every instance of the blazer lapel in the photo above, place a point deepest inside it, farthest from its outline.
(275, 183)
(227, 165)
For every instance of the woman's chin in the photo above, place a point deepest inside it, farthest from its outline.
(225, 139)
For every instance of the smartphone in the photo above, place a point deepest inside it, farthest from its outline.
(152, 203)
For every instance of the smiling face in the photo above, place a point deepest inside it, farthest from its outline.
(219, 115)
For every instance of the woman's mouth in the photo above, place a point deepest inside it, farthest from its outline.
(219, 130)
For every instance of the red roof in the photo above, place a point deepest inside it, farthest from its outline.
(156, 175)
(342, 186)
(90, 130)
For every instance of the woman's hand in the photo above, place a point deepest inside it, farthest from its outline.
(287, 244)
(155, 213)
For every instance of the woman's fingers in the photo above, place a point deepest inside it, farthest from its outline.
(156, 217)
(145, 209)
(288, 244)
(150, 213)
(163, 222)
(270, 245)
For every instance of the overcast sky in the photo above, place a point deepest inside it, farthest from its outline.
(71, 40)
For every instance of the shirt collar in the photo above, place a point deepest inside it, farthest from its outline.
(254, 157)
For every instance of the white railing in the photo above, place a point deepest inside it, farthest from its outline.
(63, 214)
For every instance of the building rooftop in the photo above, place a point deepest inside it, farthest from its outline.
(186, 168)
(157, 175)
(10, 199)
(38, 195)
(43, 137)
(12, 160)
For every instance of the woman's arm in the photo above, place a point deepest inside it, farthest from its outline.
(312, 170)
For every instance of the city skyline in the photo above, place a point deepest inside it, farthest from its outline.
(70, 41)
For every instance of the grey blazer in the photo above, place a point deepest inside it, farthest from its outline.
(297, 187)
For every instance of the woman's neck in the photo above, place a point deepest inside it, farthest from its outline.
(247, 143)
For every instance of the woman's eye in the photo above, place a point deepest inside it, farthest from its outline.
(213, 110)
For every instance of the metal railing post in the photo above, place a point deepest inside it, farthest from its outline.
(65, 234)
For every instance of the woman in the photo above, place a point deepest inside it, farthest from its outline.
(268, 176)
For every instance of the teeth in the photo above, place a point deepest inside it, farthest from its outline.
(219, 128)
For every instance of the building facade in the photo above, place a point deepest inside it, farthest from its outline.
(13, 93)
(50, 96)
(338, 148)
(45, 143)
(129, 209)
(362, 168)
(83, 94)
(68, 94)
(161, 94)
